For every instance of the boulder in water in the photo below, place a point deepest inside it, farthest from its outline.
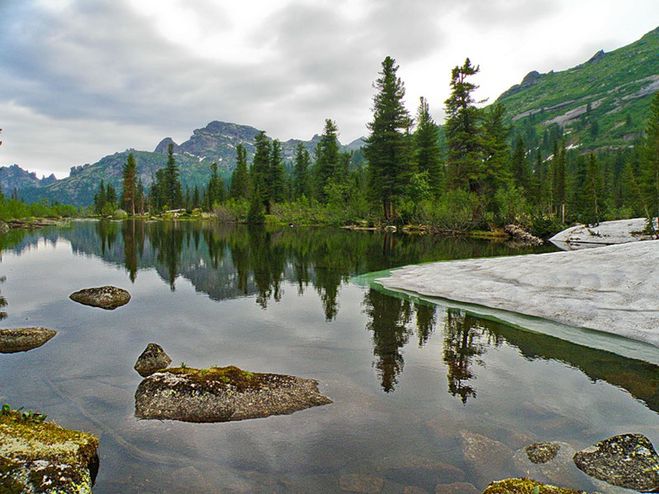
(105, 297)
(24, 339)
(152, 359)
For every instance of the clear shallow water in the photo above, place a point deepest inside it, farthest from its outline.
(406, 377)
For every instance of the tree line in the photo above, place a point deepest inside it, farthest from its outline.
(475, 171)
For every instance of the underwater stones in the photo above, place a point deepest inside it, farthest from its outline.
(525, 486)
(456, 488)
(24, 339)
(222, 394)
(105, 297)
(38, 456)
(626, 460)
(361, 483)
(152, 359)
(548, 462)
(487, 458)
(542, 452)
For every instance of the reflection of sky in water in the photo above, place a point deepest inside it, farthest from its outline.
(84, 378)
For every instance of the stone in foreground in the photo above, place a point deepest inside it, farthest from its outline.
(223, 394)
(105, 297)
(24, 339)
(626, 460)
(525, 486)
(152, 359)
(542, 452)
(38, 456)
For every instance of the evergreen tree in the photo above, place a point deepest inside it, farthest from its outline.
(520, 167)
(592, 199)
(496, 152)
(630, 190)
(240, 176)
(196, 199)
(650, 161)
(130, 185)
(173, 196)
(387, 147)
(215, 188)
(139, 197)
(558, 182)
(464, 167)
(277, 173)
(261, 171)
(327, 159)
(110, 196)
(302, 161)
(426, 148)
(100, 198)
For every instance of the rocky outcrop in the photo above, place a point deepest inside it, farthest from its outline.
(105, 297)
(38, 456)
(525, 486)
(24, 339)
(626, 460)
(152, 359)
(222, 394)
(522, 236)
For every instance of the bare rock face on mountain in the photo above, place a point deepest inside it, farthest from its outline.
(105, 297)
(223, 394)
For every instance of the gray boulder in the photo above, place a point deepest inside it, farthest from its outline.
(152, 359)
(626, 460)
(24, 339)
(105, 297)
(222, 394)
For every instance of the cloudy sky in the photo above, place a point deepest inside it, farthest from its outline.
(80, 79)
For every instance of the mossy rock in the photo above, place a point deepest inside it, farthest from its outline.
(525, 486)
(42, 457)
(105, 297)
(222, 394)
(23, 339)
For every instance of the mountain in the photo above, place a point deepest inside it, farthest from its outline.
(15, 178)
(216, 142)
(602, 103)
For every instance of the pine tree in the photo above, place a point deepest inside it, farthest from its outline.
(240, 176)
(100, 198)
(277, 173)
(326, 167)
(302, 161)
(558, 182)
(172, 184)
(496, 172)
(130, 185)
(139, 197)
(261, 171)
(464, 167)
(215, 189)
(520, 167)
(427, 154)
(650, 161)
(388, 146)
(592, 190)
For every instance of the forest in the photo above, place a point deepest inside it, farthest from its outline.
(475, 172)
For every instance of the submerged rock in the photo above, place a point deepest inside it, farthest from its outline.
(525, 486)
(548, 462)
(105, 297)
(24, 339)
(363, 484)
(487, 458)
(626, 460)
(222, 394)
(38, 456)
(456, 488)
(152, 359)
(542, 452)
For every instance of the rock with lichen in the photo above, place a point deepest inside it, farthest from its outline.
(548, 462)
(222, 394)
(525, 486)
(23, 339)
(625, 460)
(105, 297)
(152, 359)
(42, 457)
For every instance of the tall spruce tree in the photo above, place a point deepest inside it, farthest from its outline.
(173, 193)
(427, 154)
(650, 162)
(326, 167)
(592, 190)
(519, 164)
(261, 172)
(559, 192)
(464, 167)
(240, 176)
(388, 145)
(277, 173)
(496, 173)
(302, 161)
(215, 188)
(130, 185)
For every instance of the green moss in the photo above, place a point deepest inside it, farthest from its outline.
(525, 486)
(230, 375)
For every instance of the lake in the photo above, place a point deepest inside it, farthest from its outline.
(409, 380)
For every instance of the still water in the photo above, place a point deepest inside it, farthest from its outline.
(408, 379)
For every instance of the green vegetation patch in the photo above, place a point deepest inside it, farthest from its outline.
(525, 486)
(230, 375)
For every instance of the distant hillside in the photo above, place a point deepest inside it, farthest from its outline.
(214, 143)
(603, 102)
(15, 178)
